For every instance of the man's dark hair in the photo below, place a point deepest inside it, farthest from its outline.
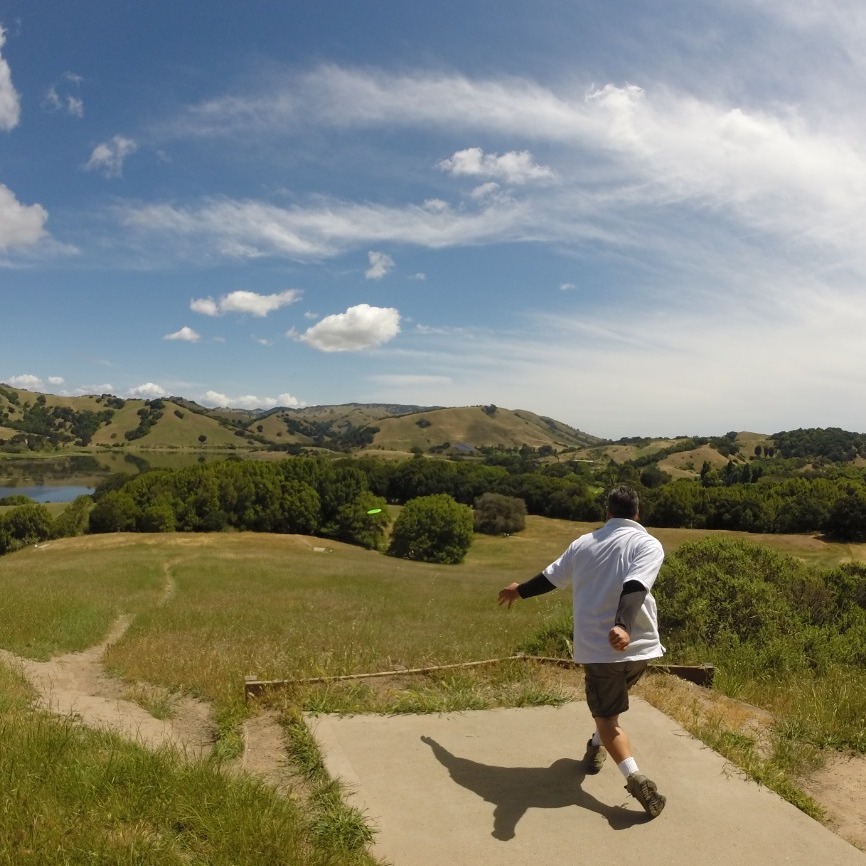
(623, 501)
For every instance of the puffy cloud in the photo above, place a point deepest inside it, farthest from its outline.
(514, 167)
(20, 225)
(108, 157)
(10, 107)
(185, 334)
(380, 264)
(245, 302)
(56, 380)
(567, 287)
(26, 380)
(147, 391)
(205, 306)
(360, 327)
(216, 399)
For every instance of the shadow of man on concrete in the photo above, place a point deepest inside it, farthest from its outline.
(514, 790)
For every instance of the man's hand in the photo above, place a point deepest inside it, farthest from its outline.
(509, 594)
(618, 638)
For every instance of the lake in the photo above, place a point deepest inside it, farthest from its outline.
(46, 493)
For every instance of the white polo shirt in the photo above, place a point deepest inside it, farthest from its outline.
(596, 565)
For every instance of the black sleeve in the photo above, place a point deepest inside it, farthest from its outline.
(537, 586)
(630, 602)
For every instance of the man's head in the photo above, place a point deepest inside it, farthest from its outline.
(623, 501)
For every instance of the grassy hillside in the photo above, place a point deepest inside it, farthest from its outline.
(474, 427)
(32, 421)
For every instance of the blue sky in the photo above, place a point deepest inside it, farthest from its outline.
(637, 218)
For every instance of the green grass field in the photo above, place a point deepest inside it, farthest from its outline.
(211, 609)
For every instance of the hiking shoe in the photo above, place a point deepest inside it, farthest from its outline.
(645, 792)
(594, 758)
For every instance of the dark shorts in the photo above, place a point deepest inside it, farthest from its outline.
(607, 686)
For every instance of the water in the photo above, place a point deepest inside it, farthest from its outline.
(45, 493)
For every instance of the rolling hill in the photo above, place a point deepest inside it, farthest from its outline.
(31, 420)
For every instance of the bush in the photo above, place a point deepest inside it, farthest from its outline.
(25, 525)
(496, 514)
(433, 528)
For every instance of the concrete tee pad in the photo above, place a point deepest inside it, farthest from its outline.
(506, 787)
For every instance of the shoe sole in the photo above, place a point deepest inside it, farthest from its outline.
(648, 796)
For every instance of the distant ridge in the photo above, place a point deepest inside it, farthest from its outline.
(30, 419)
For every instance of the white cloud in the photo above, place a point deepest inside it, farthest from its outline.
(322, 230)
(205, 306)
(360, 327)
(63, 96)
(514, 167)
(108, 158)
(185, 334)
(380, 264)
(56, 380)
(147, 391)
(10, 106)
(245, 303)
(567, 287)
(26, 380)
(216, 399)
(20, 225)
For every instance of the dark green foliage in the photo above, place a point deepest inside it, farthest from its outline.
(25, 525)
(149, 414)
(496, 514)
(16, 499)
(746, 606)
(433, 528)
(847, 518)
(74, 519)
(818, 443)
(116, 511)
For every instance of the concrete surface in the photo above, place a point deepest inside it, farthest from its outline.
(506, 787)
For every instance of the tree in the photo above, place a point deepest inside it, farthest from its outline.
(496, 514)
(433, 528)
(25, 525)
(847, 519)
(116, 511)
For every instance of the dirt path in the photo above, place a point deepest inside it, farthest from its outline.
(77, 685)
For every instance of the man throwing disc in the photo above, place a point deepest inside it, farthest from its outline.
(611, 572)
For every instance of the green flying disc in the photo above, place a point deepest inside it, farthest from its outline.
(374, 511)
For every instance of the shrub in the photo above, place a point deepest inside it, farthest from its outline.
(496, 514)
(433, 528)
(27, 524)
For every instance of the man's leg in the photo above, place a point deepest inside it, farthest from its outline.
(607, 688)
(613, 738)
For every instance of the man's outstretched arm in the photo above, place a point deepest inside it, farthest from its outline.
(538, 585)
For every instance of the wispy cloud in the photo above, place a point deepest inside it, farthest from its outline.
(63, 96)
(360, 327)
(109, 157)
